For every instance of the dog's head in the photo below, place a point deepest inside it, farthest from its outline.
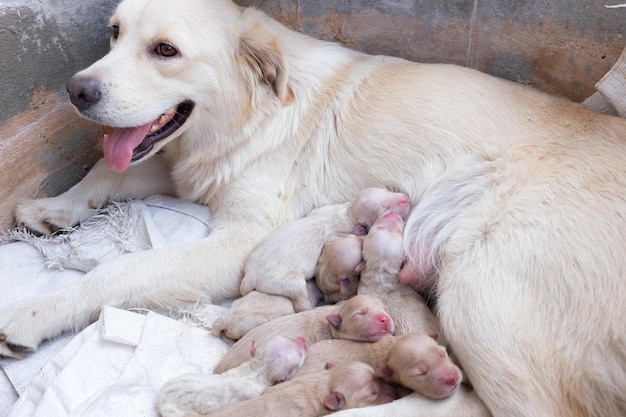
(173, 63)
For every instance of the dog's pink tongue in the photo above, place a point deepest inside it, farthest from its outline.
(119, 145)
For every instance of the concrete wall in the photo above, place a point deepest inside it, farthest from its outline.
(560, 46)
(44, 146)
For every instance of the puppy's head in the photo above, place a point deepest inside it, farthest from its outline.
(173, 65)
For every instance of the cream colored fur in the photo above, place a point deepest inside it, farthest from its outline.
(336, 387)
(361, 318)
(414, 360)
(256, 308)
(286, 259)
(519, 196)
(272, 361)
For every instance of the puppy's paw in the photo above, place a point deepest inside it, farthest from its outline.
(181, 395)
(218, 326)
(44, 216)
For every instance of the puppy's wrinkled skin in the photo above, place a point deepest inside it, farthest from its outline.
(418, 362)
(273, 362)
(287, 257)
(336, 387)
(415, 361)
(518, 196)
(361, 318)
(371, 203)
(256, 308)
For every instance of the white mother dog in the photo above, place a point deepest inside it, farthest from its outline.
(521, 197)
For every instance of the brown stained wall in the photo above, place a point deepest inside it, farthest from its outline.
(560, 46)
(45, 148)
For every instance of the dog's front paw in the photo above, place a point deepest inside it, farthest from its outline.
(16, 336)
(10, 350)
(45, 216)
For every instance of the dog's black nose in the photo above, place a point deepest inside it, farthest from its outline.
(84, 91)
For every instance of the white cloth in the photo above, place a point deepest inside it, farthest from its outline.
(611, 95)
(117, 365)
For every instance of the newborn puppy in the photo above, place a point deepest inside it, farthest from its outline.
(339, 266)
(273, 362)
(256, 308)
(372, 203)
(337, 387)
(415, 361)
(361, 318)
(287, 257)
(383, 253)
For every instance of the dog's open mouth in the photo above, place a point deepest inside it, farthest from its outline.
(126, 145)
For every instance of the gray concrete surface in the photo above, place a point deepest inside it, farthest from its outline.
(43, 42)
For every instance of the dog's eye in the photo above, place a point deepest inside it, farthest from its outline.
(115, 31)
(165, 50)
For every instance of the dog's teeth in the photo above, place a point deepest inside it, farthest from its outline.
(154, 128)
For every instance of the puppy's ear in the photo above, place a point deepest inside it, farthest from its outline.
(335, 401)
(334, 320)
(360, 229)
(344, 285)
(384, 371)
(261, 51)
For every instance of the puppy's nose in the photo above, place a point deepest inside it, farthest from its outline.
(84, 91)
(383, 319)
(452, 378)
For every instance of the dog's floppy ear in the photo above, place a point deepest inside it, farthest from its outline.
(261, 51)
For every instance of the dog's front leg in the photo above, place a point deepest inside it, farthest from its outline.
(207, 270)
(99, 186)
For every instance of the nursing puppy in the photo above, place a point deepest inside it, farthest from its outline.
(272, 362)
(338, 268)
(415, 361)
(383, 252)
(361, 318)
(336, 387)
(287, 257)
(256, 308)
(518, 195)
